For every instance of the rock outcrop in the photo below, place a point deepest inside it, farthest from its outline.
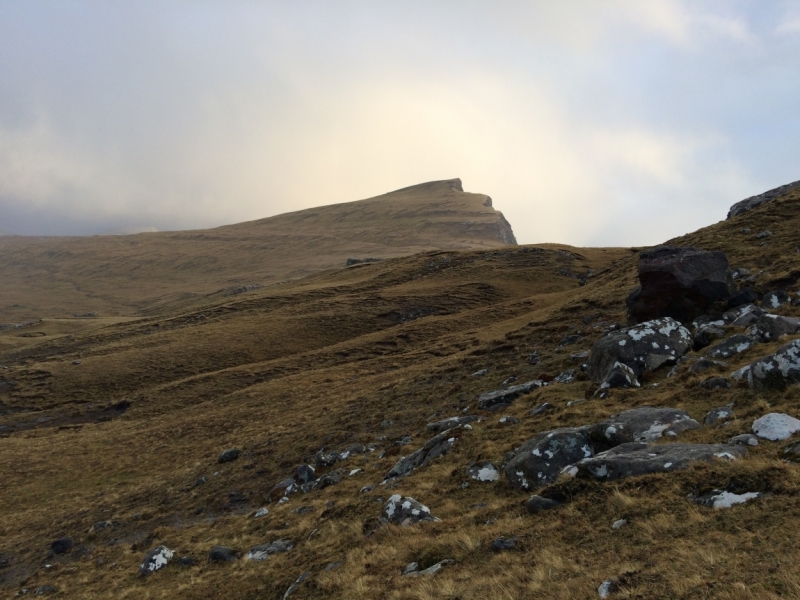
(755, 201)
(540, 460)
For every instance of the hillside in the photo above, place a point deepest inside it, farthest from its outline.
(116, 275)
(111, 434)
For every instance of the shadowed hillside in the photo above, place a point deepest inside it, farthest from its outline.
(123, 275)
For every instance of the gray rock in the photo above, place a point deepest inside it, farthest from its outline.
(352, 450)
(450, 422)
(542, 408)
(501, 544)
(61, 545)
(540, 460)
(156, 559)
(722, 413)
(296, 584)
(536, 504)
(755, 201)
(480, 373)
(433, 570)
(508, 420)
(435, 447)
(774, 372)
(644, 347)
(283, 489)
(534, 358)
(721, 499)
(619, 524)
(264, 551)
(744, 439)
(634, 459)
(567, 376)
(619, 376)
(229, 455)
(579, 355)
(706, 364)
(643, 424)
(733, 345)
(483, 471)
(775, 299)
(508, 380)
(743, 296)
(707, 334)
(743, 316)
(507, 395)
(715, 383)
(680, 283)
(608, 587)
(764, 234)
(304, 474)
(222, 554)
(770, 328)
(776, 426)
(569, 340)
(326, 459)
(404, 510)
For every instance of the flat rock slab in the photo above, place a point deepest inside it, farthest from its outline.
(540, 460)
(404, 510)
(643, 424)
(774, 372)
(776, 426)
(507, 395)
(634, 459)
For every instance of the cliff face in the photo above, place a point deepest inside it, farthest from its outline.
(123, 275)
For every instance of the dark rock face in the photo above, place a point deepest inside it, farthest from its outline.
(222, 554)
(435, 447)
(505, 396)
(680, 283)
(715, 383)
(733, 345)
(62, 545)
(754, 201)
(537, 504)
(644, 347)
(770, 328)
(155, 559)
(633, 459)
(404, 510)
(263, 551)
(451, 422)
(774, 372)
(228, 456)
(643, 424)
(540, 460)
(742, 297)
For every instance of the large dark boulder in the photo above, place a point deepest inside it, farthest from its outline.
(774, 372)
(643, 347)
(680, 283)
(540, 460)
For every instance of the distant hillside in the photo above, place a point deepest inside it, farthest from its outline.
(127, 274)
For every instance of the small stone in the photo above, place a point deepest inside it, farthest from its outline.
(366, 489)
(501, 544)
(719, 499)
(705, 364)
(332, 566)
(43, 590)
(484, 471)
(222, 554)
(764, 234)
(719, 414)
(508, 420)
(402, 510)
(261, 512)
(186, 561)
(156, 559)
(619, 524)
(715, 383)
(745, 439)
(536, 504)
(480, 373)
(509, 380)
(264, 551)
(542, 408)
(431, 570)
(228, 455)
(61, 545)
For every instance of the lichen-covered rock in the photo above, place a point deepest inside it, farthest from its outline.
(706, 334)
(744, 439)
(775, 299)
(743, 316)
(484, 471)
(643, 424)
(721, 499)
(435, 447)
(644, 347)
(619, 376)
(634, 459)
(450, 422)
(680, 283)
(283, 489)
(774, 372)
(156, 559)
(264, 551)
(507, 395)
(540, 460)
(770, 328)
(404, 510)
(733, 345)
(326, 459)
(776, 426)
(723, 413)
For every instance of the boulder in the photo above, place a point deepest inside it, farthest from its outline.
(643, 424)
(507, 395)
(222, 554)
(326, 459)
(536, 504)
(774, 372)
(775, 299)
(776, 426)
(264, 551)
(706, 364)
(770, 328)
(743, 296)
(304, 474)
(540, 460)
(484, 471)
(228, 455)
(733, 345)
(634, 459)
(644, 347)
(723, 413)
(722, 499)
(754, 201)
(680, 283)
(744, 439)
(744, 316)
(61, 545)
(707, 334)
(404, 510)
(156, 559)
(715, 383)
(619, 376)
(450, 422)
(435, 447)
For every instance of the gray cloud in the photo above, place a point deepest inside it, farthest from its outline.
(611, 123)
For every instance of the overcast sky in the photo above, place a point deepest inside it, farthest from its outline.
(614, 122)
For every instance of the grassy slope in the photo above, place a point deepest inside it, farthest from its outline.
(283, 371)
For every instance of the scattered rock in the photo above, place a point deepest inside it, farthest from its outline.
(714, 383)
(404, 510)
(764, 234)
(303, 576)
(707, 334)
(283, 489)
(156, 559)
(61, 545)
(326, 459)
(430, 570)
(733, 345)
(776, 426)
(484, 471)
(228, 456)
(410, 568)
(775, 299)
(633, 459)
(643, 424)
(644, 347)
(755, 201)
(706, 364)
(329, 479)
(222, 554)
(501, 544)
(507, 395)
(721, 499)
(744, 439)
(508, 380)
(680, 283)
(567, 376)
(606, 588)
(536, 504)
(619, 524)
(743, 296)
(539, 461)
(435, 447)
(719, 414)
(263, 551)
(508, 420)
(776, 371)
(619, 376)
(770, 328)
(44, 590)
(451, 422)
(534, 358)
(304, 474)
(480, 373)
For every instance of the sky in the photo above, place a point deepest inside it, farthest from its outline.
(588, 122)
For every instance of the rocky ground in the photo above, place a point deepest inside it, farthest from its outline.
(526, 422)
